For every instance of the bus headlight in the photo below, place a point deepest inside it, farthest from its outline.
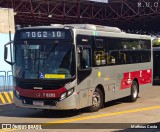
(17, 93)
(66, 94)
(70, 92)
(63, 96)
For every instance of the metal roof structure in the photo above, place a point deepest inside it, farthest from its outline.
(101, 1)
(125, 14)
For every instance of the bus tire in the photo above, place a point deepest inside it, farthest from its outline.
(134, 92)
(97, 101)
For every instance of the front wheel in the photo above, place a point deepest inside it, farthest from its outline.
(134, 92)
(97, 101)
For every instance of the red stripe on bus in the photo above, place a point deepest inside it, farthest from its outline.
(143, 76)
(41, 93)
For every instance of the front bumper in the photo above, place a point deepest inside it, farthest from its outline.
(66, 104)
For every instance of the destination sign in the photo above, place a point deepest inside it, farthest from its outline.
(42, 35)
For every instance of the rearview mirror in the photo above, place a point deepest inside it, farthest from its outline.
(5, 53)
(6, 58)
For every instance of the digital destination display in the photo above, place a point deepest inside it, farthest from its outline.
(42, 35)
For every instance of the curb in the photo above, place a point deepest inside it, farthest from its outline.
(6, 97)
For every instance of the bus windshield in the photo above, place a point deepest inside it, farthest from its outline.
(43, 61)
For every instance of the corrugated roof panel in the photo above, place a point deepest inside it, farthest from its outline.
(102, 1)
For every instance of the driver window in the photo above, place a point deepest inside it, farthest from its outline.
(84, 58)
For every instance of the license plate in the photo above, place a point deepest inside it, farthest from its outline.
(38, 103)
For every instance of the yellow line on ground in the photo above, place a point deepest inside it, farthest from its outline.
(9, 130)
(7, 96)
(11, 93)
(2, 99)
(102, 115)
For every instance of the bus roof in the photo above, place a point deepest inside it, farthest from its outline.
(95, 27)
(80, 26)
(92, 28)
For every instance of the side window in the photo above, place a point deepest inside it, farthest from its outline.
(99, 55)
(132, 50)
(136, 51)
(113, 51)
(84, 58)
(117, 51)
(146, 50)
(99, 43)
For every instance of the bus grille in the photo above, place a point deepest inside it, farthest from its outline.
(43, 86)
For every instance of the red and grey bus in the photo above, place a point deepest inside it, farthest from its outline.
(77, 65)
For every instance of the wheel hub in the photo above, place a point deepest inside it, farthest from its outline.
(96, 99)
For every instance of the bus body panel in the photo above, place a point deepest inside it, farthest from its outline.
(111, 76)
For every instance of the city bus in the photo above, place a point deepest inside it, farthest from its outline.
(74, 66)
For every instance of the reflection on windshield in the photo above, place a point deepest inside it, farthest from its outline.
(54, 61)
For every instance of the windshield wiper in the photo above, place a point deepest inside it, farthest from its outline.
(54, 44)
